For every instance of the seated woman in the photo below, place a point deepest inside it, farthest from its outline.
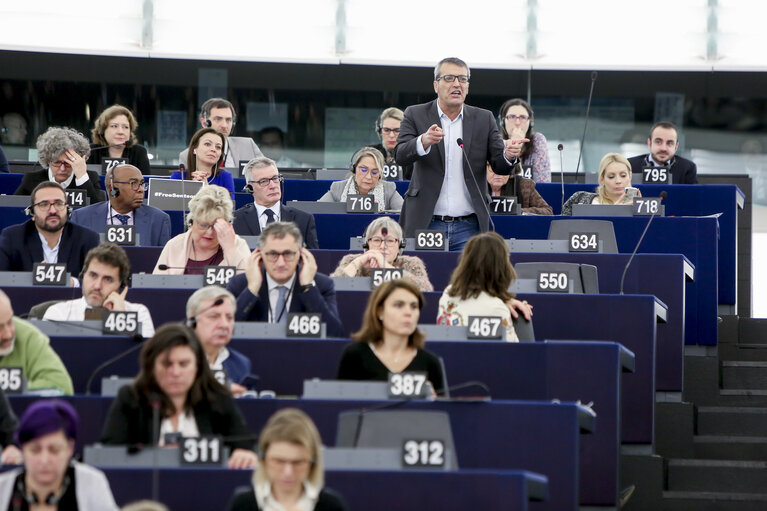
(204, 160)
(389, 340)
(387, 127)
(366, 168)
(614, 178)
(526, 194)
(62, 153)
(516, 117)
(210, 239)
(116, 128)
(479, 285)
(50, 478)
(290, 474)
(383, 250)
(175, 376)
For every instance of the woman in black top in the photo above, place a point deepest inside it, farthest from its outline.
(290, 473)
(116, 128)
(389, 340)
(175, 377)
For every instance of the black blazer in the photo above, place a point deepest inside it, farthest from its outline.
(683, 171)
(321, 298)
(482, 143)
(20, 247)
(129, 421)
(135, 154)
(246, 223)
(92, 187)
(245, 500)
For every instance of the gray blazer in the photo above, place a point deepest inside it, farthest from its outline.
(482, 143)
(241, 148)
(391, 195)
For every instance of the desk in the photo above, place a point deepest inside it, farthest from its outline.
(545, 437)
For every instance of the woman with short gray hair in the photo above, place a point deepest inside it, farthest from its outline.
(63, 153)
(210, 239)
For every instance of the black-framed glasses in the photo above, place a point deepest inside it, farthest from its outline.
(512, 117)
(263, 183)
(135, 184)
(377, 240)
(59, 164)
(46, 204)
(452, 78)
(288, 255)
(390, 130)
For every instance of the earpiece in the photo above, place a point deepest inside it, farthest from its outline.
(379, 126)
(192, 322)
(352, 166)
(208, 124)
(114, 192)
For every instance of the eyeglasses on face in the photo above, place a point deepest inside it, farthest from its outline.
(135, 184)
(59, 164)
(263, 183)
(377, 240)
(46, 204)
(452, 78)
(512, 117)
(365, 170)
(388, 131)
(288, 255)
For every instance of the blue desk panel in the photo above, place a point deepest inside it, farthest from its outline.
(516, 435)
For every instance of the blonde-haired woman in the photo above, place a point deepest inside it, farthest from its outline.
(290, 474)
(614, 178)
(210, 239)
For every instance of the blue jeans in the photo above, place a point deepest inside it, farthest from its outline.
(458, 232)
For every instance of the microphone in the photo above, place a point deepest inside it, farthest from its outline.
(121, 144)
(464, 385)
(586, 123)
(192, 322)
(165, 267)
(662, 196)
(479, 190)
(112, 360)
(561, 175)
(155, 400)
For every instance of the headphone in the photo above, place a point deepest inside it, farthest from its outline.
(384, 232)
(28, 211)
(205, 112)
(379, 126)
(20, 493)
(114, 192)
(128, 281)
(524, 105)
(352, 165)
(191, 322)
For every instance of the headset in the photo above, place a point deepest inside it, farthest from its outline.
(379, 126)
(20, 493)
(384, 232)
(127, 282)
(510, 103)
(28, 211)
(114, 192)
(205, 111)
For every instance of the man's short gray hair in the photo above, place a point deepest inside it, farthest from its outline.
(55, 141)
(279, 230)
(259, 162)
(206, 293)
(451, 60)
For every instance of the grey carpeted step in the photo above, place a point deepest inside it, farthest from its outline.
(732, 420)
(717, 476)
(743, 351)
(719, 447)
(713, 501)
(752, 330)
(744, 375)
(743, 397)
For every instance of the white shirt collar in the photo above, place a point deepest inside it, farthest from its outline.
(266, 501)
(65, 183)
(274, 207)
(271, 283)
(51, 255)
(440, 113)
(218, 364)
(111, 215)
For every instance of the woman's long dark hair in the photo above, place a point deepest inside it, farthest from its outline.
(191, 158)
(484, 265)
(205, 386)
(528, 147)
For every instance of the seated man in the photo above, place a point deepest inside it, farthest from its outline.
(284, 286)
(264, 180)
(210, 312)
(47, 236)
(219, 114)
(663, 143)
(23, 345)
(63, 153)
(125, 189)
(105, 281)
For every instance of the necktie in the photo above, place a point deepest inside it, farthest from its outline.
(279, 309)
(123, 218)
(269, 216)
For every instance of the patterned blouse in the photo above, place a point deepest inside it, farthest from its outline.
(539, 159)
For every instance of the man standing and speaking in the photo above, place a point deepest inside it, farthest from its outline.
(445, 192)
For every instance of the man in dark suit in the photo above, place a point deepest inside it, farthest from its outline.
(663, 143)
(125, 187)
(282, 286)
(63, 152)
(445, 192)
(264, 181)
(47, 236)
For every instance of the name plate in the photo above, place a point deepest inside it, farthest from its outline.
(583, 242)
(410, 384)
(76, 198)
(220, 376)
(527, 171)
(392, 171)
(429, 239)
(357, 203)
(304, 324)
(553, 282)
(218, 275)
(646, 206)
(171, 194)
(504, 206)
(203, 450)
(656, 176)
(120, 322)
(45, 274)
(241, 165)
(418, 453)
(121, 234)
(108, 164)
(12, 380)
(380, 275)
(484, 327)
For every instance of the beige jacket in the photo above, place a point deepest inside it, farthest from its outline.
(179, 249)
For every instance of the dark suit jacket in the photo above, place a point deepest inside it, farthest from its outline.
(237, 366)
(135, 154)
(321, 298)
(246, 223)
(683, 171)
(20, 247)
(482, 143)
(151, 223)
(92, 187)
(129, 420)
(245, 500)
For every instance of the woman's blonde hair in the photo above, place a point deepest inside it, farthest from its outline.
(293, 426)
(606, 161)
(211, 201)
